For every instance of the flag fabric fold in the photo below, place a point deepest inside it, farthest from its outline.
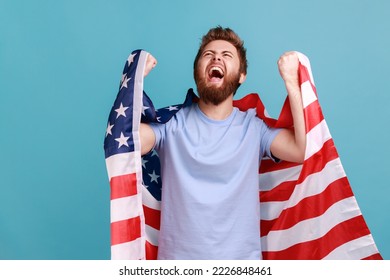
(308, 211)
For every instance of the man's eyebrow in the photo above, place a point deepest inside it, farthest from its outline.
(223, 52)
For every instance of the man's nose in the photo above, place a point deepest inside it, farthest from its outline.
(217, 57)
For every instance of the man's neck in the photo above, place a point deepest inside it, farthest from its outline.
(217, 112)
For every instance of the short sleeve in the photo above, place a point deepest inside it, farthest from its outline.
(268, 135)
(159, 132)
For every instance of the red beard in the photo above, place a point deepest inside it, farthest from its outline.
(216, 95)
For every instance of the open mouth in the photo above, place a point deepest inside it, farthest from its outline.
(215, 74)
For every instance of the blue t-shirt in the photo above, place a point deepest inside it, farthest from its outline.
(210, 197)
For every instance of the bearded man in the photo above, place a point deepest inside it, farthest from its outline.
(210, 154)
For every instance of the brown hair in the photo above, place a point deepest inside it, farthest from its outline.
(226, 34)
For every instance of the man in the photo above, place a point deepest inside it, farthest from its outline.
(210, 154)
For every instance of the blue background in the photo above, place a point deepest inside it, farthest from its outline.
(60, 65)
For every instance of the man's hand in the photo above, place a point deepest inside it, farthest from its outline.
(288, 65)
(151, 62)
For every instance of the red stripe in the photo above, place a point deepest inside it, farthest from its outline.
(125, 230)
(303, 74)
(268, 165)
(152, 217)
(124, 185)
(376, 256)
(250, 101)
(280, 193)
(151, 251)
(285, 119)
(317, 204)
(313, 115)
(253, 100)
(321, 247)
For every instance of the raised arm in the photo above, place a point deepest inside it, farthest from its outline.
(290, 145)
(147, 135)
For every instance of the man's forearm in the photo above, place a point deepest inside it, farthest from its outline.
(295, 99)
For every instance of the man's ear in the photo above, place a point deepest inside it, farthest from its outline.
(242, 78)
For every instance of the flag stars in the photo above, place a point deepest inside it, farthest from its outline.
(125, 81)
(172, 108)
(122, 140)
(144, 108)
(121, 111)
(109, 129)
(130, 59)
(153, 176)
(123, 77)
(144, 161)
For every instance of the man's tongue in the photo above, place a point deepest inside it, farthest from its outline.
(215, 79)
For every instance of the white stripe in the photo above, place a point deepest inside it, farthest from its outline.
(137, 111)
(356, 249)
(314, 184)
(125, 208)
(308, 95)
(306, 62)
(316, 138)
(149, 201)
(312, 228)
(272, 179)
(138, 90)
(122, 164)
(151, 235)
(137, 98)
(133, 250)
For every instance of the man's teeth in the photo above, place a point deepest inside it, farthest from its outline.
(215, 68)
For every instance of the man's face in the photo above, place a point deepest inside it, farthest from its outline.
(217, 75)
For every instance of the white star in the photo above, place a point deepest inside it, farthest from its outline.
(158, 119)
(121, 111)
(122, 140)
(144, 161)
(123, 77)
(108, 130)
(143, 109)
(153, 176)
(154, 153)
(130, 59)
(124, 81)
(171, 108)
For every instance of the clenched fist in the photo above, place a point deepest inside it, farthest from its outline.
(151, 62)
(288, 65)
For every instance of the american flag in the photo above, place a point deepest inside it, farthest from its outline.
(308, 211)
